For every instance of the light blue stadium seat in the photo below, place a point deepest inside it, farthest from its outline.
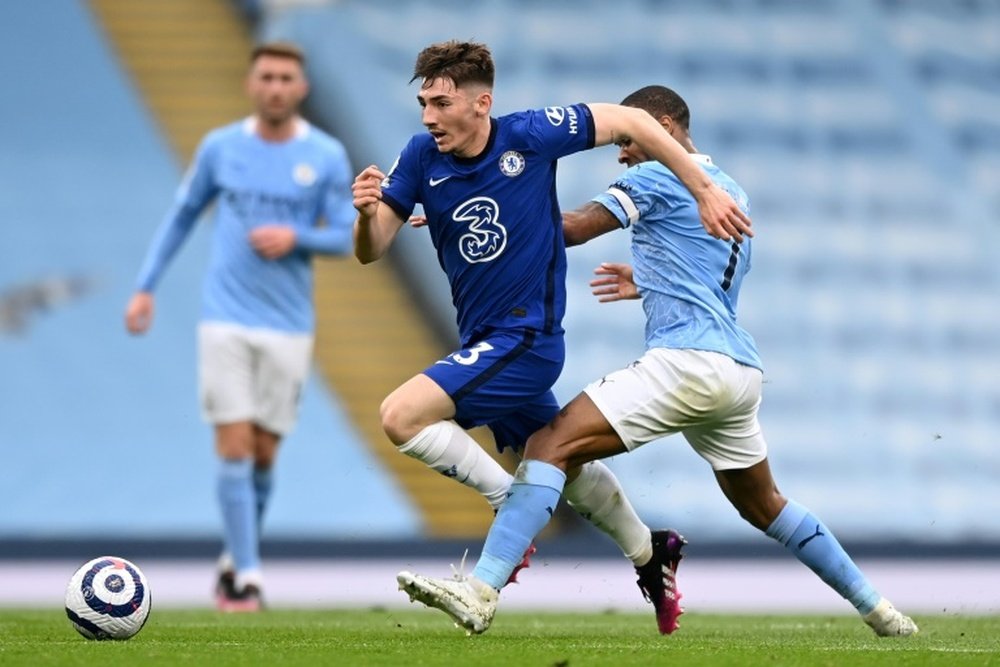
(101, 432)
(866, 135)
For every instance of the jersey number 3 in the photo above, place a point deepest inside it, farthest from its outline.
(471, 356)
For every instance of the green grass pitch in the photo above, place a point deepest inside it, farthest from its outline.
(425, 637)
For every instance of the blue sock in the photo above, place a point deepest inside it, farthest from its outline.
(239, 513)
(262, 483)
(530, 503)
(813, 544)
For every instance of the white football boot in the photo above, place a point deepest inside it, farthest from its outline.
(887, 621)
(469, 601)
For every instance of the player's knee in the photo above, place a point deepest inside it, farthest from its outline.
(398, 421)
(264, 459)
(234, 442)
(233, 451)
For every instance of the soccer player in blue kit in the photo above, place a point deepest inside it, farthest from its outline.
(273, 177)
(700, 376)
(487, 186)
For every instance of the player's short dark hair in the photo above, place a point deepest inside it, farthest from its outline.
(659, 101)
(280, 50)
(462, 62)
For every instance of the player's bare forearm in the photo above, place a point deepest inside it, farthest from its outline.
(587, 222)
(720, 215)
(365, 247)
(376, 225)
(374, 234)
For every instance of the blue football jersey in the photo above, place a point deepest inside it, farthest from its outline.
(689, 281)
(494, 219)
(255, 182)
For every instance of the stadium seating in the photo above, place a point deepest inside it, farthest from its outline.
(100, 432)
(867, 135)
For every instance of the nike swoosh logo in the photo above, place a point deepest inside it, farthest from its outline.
(438, 181)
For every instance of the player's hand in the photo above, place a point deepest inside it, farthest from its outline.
(367, 191)
(272, 241)
(721, 217)
(417, 221)
(616, 284)
(139, 313)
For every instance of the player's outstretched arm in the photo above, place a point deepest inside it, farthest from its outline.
(587, 222)
(376, 226)
(615, 283)
(720, 215)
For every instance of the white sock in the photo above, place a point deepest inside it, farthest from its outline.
(599, 498)
(252, 576)
(447, 448)
(225, 562)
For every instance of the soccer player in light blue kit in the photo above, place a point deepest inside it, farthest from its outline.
(487, 186)
(701, 376)
(281, 189)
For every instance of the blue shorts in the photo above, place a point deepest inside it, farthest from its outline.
(503, 380)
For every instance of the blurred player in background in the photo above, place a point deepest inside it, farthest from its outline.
(487, 186)
(281, 188)
(701, 376)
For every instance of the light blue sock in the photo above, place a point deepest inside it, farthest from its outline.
(262, 483)
(813, 544)
(530, 503)
(239, 512)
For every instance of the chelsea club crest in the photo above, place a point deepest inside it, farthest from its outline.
(511, 163)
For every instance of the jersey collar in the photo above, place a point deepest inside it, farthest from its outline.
(486, 151)
(250, 127)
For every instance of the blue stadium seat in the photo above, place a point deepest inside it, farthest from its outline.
(101, 433)
(866, 134)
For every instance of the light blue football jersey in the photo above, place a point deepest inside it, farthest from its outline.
(689, 281)
(254, 182)
(495, 220)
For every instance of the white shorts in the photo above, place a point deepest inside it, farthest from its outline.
(251, 375)
(707, 396)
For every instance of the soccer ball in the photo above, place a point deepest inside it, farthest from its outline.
(108, 598)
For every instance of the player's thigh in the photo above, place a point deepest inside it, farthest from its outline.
(417, 398)
(225, 373)
(732, 438)
(657, 395)
(282, 368)
(514, 429)
(578, 434)
(499, 375)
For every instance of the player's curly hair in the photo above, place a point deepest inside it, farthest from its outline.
(659, 101)
(462, 62)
